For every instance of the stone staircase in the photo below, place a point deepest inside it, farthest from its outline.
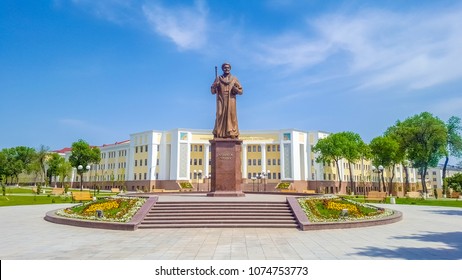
(219, 214)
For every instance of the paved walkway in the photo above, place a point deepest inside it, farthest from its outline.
(425, 233)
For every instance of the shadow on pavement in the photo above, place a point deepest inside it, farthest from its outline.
(453, 241)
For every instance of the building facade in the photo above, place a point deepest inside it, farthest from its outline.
(152, 160)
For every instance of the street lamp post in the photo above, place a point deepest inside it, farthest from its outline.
(379, 171)
(253, 183)
(195, 176)
(259, 176)
(80, 168)
(265, 175)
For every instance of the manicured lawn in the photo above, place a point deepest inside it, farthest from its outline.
(25, 196)
(11, 200)
(430, 202)
(416, 201)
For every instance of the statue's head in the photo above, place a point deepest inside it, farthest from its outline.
(225, 64)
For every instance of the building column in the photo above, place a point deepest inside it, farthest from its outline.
(263, 157)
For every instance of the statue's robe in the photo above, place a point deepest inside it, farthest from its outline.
(226, 89)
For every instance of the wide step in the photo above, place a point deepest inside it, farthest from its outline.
(219, 214)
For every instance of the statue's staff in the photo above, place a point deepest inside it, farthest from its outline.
(216, 72)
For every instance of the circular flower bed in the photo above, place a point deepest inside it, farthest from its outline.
(114, 209)
(332, 208)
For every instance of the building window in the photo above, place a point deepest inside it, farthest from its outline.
(279, 176)
(249, 176)
(254, 148)
(254, 162)
(136, 149)
(145, 176)
(146, 148)
(249, 162)
(200, 161)
(259, 148)
(268, 148)
(200, 148)
(157, 161)
(134, 176)
(279, 161)
(249, 149)
(259, 162)
(269, 162)
(195, 148)
(195, 161)
(146, 161)
(141, 162)
(136, 162)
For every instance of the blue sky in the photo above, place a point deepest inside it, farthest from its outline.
(100, 70)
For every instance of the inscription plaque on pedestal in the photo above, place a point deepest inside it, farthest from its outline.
(226, 168)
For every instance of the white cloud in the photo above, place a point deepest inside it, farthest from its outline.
(378, 49)
(185, 26)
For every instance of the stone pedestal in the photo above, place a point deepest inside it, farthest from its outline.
(226, 168)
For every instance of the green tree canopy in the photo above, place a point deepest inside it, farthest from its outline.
(386, 151)
(337, 146)
(82, 154)
(454, 143)
(424, 138)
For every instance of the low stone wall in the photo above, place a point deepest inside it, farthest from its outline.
(305, 224)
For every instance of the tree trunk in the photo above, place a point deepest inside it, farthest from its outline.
(407, 184)
(390, 186)
(422, 179)
(352, 186)
(445, 187)
(339, 177)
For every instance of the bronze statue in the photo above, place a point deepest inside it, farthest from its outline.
(226, 87)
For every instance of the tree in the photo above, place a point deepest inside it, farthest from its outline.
(83, 155)
(453, 144)
(455, 182)
(424, 139)
(64, 169)
(42, 156)
(353, 150)
(54, 163)
(387, 152)
(329, 150)
(2, 171)
(336, 146)
(13, 166)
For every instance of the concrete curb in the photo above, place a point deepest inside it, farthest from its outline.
(132, 225)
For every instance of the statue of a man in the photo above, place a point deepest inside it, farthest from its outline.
(226, 87)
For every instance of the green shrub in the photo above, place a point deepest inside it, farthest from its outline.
(186, 185)
(283, 185)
